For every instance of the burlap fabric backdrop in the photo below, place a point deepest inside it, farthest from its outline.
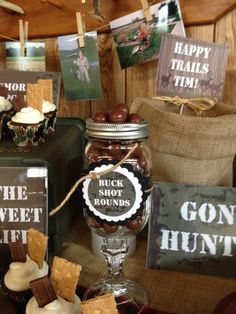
(187, 148)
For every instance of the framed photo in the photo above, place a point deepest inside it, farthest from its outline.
(80, 67)
(34, 59)
(138, 41)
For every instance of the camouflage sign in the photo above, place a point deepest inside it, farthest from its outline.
(23, 200)
(191, 68)
(193, 229)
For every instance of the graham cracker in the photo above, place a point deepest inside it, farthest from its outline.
(47, 89)
(104, 304)
(65, 277)
(34, 96)
(37, 246)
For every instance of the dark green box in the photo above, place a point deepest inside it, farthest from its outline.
(62, 154)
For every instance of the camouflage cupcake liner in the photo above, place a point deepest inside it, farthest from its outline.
(17, 297)
(6, 117)
(28, 135)
(50, 123)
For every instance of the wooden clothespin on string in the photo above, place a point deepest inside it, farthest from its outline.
(23, 34)
(81, 29)
(146, 10)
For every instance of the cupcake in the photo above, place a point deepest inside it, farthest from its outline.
(49, 109)
(6, 306)
(25, 267)
(6, 111)
(56, 295)
(28, 124)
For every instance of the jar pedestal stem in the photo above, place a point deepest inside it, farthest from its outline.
(126, 292)
(115, 250)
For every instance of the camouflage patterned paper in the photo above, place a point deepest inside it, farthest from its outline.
(193, 229)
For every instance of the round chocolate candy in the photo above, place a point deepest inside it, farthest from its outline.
(123, 107)
(117, 116)
(100, 117)
(114, 150)
(94, 223)
(134, 118)
(133, 224)
(110, 228)
(93, 154)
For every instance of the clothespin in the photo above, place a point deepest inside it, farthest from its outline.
(23, 34)
(81, 29)
(146, 10)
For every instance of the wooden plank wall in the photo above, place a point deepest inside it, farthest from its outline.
(140, 80)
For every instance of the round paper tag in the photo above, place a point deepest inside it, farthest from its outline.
(115, 196)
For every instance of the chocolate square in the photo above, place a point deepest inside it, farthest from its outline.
(17, 251)
(43, 291)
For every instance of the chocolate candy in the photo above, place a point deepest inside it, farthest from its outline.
(120, 114)
(134, 118)
(134, 224)
(43, 291)
(93, 154)
(114, 150)
(123, 107)
(100, 117)
(110, 228)
(94, 223)
(117, 116)
(17, 251)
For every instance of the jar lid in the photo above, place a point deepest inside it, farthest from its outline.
(123, 131)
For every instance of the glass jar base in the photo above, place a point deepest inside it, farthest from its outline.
(128, 294)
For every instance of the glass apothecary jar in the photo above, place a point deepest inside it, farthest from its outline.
(117, 201)
(117, 204)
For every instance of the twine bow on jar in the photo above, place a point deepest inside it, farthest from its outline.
(196, 104)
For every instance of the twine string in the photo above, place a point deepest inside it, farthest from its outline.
(94, 176)
(196, 104)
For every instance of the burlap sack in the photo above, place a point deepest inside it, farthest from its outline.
(187, 148)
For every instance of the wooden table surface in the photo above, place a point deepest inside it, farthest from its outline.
(172, 292)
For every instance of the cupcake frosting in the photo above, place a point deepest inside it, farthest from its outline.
(28, 115)
(57, 306)
(48, 106)
(20, 274)
(5, 104)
